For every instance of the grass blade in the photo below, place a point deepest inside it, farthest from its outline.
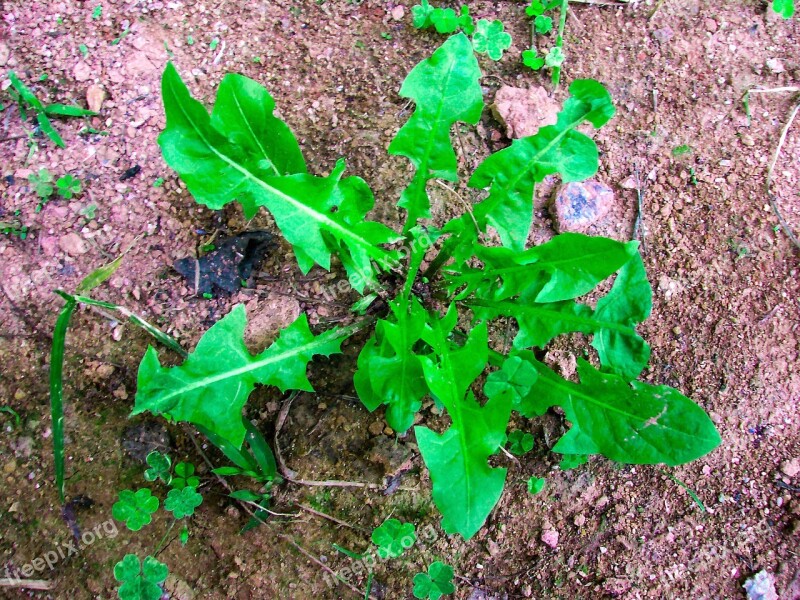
(57, 389)
(66, 110)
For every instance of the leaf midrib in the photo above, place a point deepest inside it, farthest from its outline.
(372, 250)
(251, 366)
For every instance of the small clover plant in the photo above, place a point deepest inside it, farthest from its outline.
(542, 24)
(140, 581)
(42, 183)
(159, 467)
(535, 485)
(68, 186)
(184, 476)
(520, 442)
(135, 508)
(393, 538)
(182, 502)
(434, 584)
(489, 38)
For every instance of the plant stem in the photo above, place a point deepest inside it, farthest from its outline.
(164, 539)
(562, 23)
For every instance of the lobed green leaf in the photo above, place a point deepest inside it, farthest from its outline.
(446, 90)
(511, 174)
(212, 385)
(465, 487)
(632, 423)
(226, 156)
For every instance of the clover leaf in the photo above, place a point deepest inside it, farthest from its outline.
(184, 476)
(444, 20)
(534, 9)
(535, 485)
(489, 38)
(182, 502)
(465, 21)
(393, 538)
(421, 14)
(140, 581)
(159, 467)
(531, 60)
(42, 183)
(554, 58)
(434, 584)
(520, 442)
(135, 509)
(68, 186)
(543, 24)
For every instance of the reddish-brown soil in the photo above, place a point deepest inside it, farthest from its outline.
(724, 328)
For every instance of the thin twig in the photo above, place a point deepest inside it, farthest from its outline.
(331, 518)
(291, 475)
(772, 164)
(638, 228)
(323, 566)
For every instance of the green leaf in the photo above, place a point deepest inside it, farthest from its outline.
(393, 538)
(421, 14)
(520, 442)
(512, 173)
(629, 302)
(554, 58)
(632, 423)
(223, 157)
(68, 186)
(568, 266)
(68, 110)
(434, 584)
(784, 8)
(540, 323)
(160, 466)
(184, 476)
(228, 471)
(140, 581)
(389, 368)
(515, 379)
(535, 485)
(184, 536)
(261, 452)
(243, 114)
(446, 90)
(212, 385)
(543, 24)
(246, 495)
(531, 60)
(42, 183)
(99, 276)
(465, 487)
(465, 21)
(489, 38)
(572, 461)
(535, 8)
(25, 92)
(47, 129)
(444, 20)
(135, 509)
(182, 502)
